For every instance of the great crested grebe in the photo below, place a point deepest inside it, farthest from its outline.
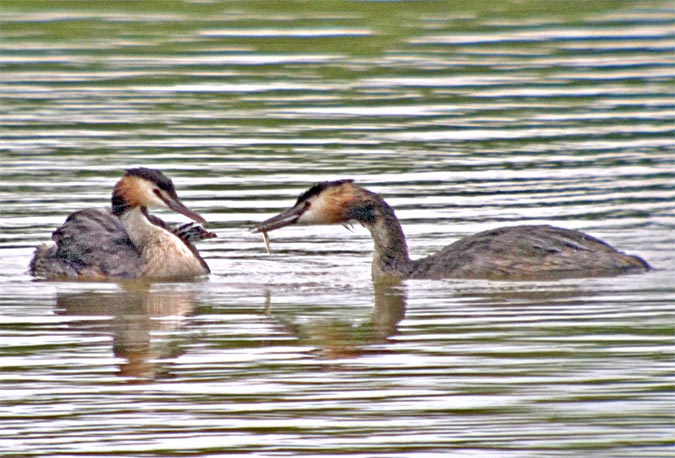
(127, 242)
(515, 253)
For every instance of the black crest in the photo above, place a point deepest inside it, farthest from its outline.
(319, 188)
(154, 176)
(119, 203)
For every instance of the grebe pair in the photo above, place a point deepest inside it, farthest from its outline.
(130, 243)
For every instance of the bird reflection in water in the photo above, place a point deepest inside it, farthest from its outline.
(342, 338)
(138, 313)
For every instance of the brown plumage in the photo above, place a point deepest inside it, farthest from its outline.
(125, 241)
(506, 253)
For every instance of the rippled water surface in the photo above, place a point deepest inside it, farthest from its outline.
(464, 117)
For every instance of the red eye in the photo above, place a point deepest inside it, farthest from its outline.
(308, 204)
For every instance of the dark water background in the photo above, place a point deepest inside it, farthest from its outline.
(464, 116)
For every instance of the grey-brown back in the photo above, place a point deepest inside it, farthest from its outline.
(527, 252)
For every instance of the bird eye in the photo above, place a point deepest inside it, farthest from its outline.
(307, 204)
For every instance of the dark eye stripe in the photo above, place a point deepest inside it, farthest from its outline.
(319, 188)
(154, 176)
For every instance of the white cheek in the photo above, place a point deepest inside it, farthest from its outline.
(311, 216)
(151, 199)
(157, 202)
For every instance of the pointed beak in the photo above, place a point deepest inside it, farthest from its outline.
(283, 219)
(176, 205)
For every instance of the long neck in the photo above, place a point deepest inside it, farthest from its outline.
(391, 251)
(163, 254)
(139, 229)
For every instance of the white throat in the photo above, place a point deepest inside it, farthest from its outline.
(139, 229)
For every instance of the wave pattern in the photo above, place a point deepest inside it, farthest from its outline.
(462, 119)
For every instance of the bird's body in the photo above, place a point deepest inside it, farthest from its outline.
(125, 241)
(527, 253)
(507, 253)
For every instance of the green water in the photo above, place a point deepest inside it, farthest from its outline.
(464, 116)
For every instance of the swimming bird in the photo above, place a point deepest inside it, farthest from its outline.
(126, 241)
(505, 253)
